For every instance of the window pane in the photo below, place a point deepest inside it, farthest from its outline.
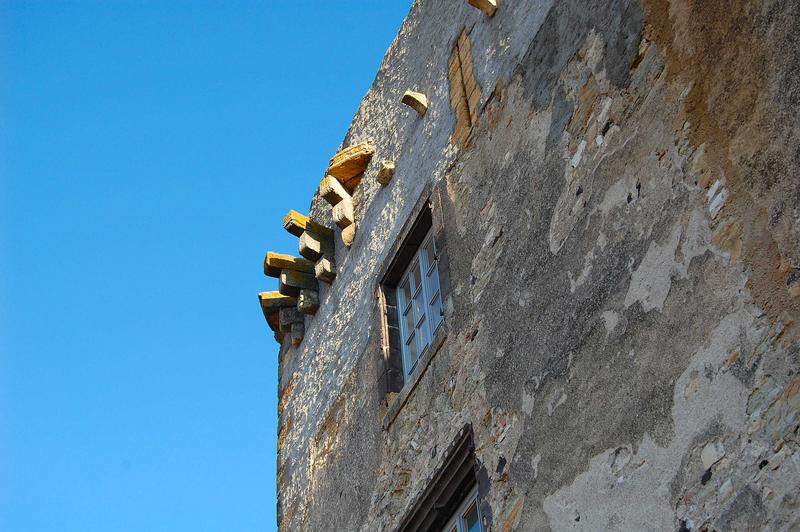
(433, 282)
(422, 342)
(405, 291)
(471, 519)
(422, 332)
(419, 306)
(429, 253)
(435, 312)
(411, 353)
(408, 324)
(414, 274)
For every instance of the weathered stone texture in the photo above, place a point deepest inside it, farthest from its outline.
(623, 235)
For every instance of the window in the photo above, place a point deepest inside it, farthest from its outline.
(411, 294)
(452, 500)
(468, 516)
(419, 303)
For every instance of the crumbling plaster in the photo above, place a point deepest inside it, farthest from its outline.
(622, 232)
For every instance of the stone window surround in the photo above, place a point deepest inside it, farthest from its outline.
(426, 214)
(445, 490)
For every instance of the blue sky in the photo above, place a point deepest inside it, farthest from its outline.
(148, 151)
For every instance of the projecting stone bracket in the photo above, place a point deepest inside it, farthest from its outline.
(385, 173)
(292, 321)
(345, 171)
(308, 301)
(315, 243)
(274, 263)
(416, 100)
(325, 270)
(271, 304)
(349, 164)
(291, 282)
(487, 6)
(332, 191)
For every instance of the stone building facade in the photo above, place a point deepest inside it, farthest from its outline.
(613, 189)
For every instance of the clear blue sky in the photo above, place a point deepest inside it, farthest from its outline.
(148, 151)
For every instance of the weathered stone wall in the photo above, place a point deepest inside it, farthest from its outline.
(623, 232)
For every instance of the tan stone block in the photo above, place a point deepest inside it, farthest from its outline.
(275, 300)
(271, 303)
(466, 69)
(454, 66)
(462, 113)
(350, 162)
(308, 301)
(312, 246)
(474, 100)
(416, 100)
(487, 6)
(385, 173)
(295, 223)
(290, 282)
(456, 89)
(465, 52)
(332, 190)
(275, 262)
(463, 40)
(348, 235)
(344, 214)
(272, 320)
(469, 88)
(325, 270)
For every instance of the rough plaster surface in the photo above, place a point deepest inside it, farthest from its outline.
(623, 234)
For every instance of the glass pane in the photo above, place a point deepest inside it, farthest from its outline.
(408, 324)
(422, 336)
(429, 254)
(436, 312)
(411, 353)
(405, 292)
(419, 306)
(471, 519)
(414, 274)
(433, 282)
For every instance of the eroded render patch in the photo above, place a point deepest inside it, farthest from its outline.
(602, 495)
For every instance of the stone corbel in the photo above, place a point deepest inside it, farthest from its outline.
(271, 305)
(315, 244)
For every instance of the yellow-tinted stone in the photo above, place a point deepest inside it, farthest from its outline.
(296, 223)
(343, 213)
(385, 173)
(275, 262)
(416, 100)
(348, 164)
(332, 190)
(348, 235)
(487, 6)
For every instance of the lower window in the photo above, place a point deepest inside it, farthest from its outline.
(451, 501)
(468, 516)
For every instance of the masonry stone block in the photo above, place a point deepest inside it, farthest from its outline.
(385, 173)
(415, 100)
(308, 301)
(343, 213)
(325, 270)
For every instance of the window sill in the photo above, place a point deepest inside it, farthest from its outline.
(408, 387)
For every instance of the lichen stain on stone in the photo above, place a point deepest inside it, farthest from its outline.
(737, 110)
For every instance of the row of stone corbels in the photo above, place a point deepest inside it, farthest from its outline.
(298, 288)
(298, 277)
